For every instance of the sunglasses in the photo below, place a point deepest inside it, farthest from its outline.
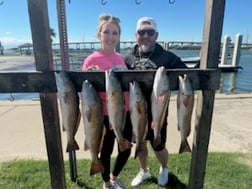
(149, 32)
(107, 17)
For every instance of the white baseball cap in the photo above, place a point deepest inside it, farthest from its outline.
(146, 23)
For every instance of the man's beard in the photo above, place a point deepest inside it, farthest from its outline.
(146, 48)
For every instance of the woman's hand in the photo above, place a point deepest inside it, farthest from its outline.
(93, 68)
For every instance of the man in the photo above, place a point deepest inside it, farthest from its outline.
(148, 54)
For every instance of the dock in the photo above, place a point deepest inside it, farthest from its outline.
(193, 62)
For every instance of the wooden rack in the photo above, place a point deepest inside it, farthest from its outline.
(206, 80)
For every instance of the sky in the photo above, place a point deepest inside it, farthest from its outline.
(181, 21)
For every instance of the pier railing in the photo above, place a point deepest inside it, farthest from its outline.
(124, 45)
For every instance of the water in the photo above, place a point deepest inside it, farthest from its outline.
(231, 82)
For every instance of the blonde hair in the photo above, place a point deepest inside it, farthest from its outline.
(107, 18)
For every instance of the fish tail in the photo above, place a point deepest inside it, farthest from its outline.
(124, 145)
(72, 146)
(75, 145)
(184, 147)
(96, 167)
(63, 127)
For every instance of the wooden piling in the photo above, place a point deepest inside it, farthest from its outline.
(214, 14)
(237, 50)
(38, 13)
(225, 49)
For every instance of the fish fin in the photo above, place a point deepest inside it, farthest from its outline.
(75, 145)
(153, 125)
(88, 114)
(102, 138)
(63, 127)
(72, 147)
(77, 121)
(96, 167)
(186, 101)
(161, 98)
(184, 147)
(110, 95)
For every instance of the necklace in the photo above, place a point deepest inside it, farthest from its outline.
(145, 63)
(148, 57)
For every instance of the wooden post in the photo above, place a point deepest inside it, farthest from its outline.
(40, 29)
(214, 14)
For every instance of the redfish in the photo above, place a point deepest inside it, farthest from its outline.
(92, 113)
(185, 103)
(160, 99)
(138, 114)
(115, 106)
(69, 107)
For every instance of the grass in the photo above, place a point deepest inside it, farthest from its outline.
(224, 170)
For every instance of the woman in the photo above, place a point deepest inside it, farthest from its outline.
(106, 59)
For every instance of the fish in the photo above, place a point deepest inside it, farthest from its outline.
(185, 103)
(69, 106)
(116, 110)
(138, 114)
(93, 117)
(160, 98)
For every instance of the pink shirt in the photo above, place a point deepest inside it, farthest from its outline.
(107, 61)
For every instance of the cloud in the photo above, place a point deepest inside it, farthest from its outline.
(8, 33)
(12, 42)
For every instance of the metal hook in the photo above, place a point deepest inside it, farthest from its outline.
(138, 2)
(103, 2)
(171, 2)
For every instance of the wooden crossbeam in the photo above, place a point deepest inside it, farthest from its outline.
(207, 79)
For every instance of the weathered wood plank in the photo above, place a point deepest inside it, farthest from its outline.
(49, 109)
(214, 14)
(45, 81)
(40, 30)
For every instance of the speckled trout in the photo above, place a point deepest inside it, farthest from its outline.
(69, 107)
(92, 114)
(115, 106)
(138, 114)
(185, 102)
(160, 99)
